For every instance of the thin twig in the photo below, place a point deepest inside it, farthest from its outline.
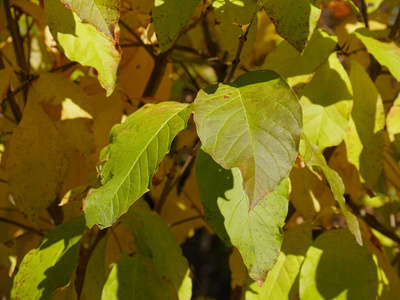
(21, 226)
(131, 31)
(364, 13)
(395, 29)
(116, 240)
(63, 68)
(242, 40)
(186, 220)
(192, 79)
(3, 181)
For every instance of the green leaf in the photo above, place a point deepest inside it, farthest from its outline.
(96, 272)
(227, 14)
(385, 51)
(136, 148)
(257, 233)
(365, 137)
(49, 267)
(327, 103)
(295, 20)
(82, 42)
(296, 67)
(314, 158)
(393, 124)
(337, 268)
(253, 124)
(102, 14)
(155, 241)
(283, 280)
(135, 278)
(170, 18)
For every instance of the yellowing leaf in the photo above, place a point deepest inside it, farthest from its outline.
(365, 137)
(393, 123)
(327, 104)
(81, 42)
(37, 162)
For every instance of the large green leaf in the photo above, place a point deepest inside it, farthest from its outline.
(296, 67)
(154, 240)
(314, 158)
(253, 124)
(227, 14)
(393, 124)
(283, 280)
(136, 148)
(170, 17)
(327, 104)
(365, 137)
(82, 42)
(337, 268)
(50, 266)
(135, 278)
(257, 233)
(295, 20)
(386, 52)
(102, 14)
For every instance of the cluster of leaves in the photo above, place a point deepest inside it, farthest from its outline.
(274, 124)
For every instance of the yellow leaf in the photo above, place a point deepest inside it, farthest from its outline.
(36, 162)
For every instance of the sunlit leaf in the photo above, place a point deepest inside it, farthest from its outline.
(393, 123)
(136, 148)
(257, 233)
(314, 158)
(101, 14)
(37, 161)
(386, 52)
(365, 137)
(50, 266)
(327, 104)
(155, 241)
(282, 281)
(170, 17)
(295, 20)
(82, 42)
(253, 124)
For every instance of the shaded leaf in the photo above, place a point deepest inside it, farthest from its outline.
(81, 42)
(155, 241)
(102, 14)
(253, 124)
(365, 137)
(257, 233)
(385, 51)
(170, 17)
(37, 161)
(327, 104)
(283, 280)
(49, 267)
(136, 148)
(314, 158)
(295, 20)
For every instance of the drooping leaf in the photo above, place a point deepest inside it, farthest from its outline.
(130, 279)
(136, 148)
(393, 124)
(82, 42)
(170, 17)
(295, 20)
(49, 267)
(102, 14)
(37, 161)
(227, 14)
(365, 137)
(253, 124)
(296, 67)
(314, 158)
(337, 268)
(327, 104)
(257, 233)
(282, 281)
(385, 51)
(155, 241)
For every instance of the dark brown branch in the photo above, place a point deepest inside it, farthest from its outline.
(364, 13)
(186, 220)
(160, 63)
(395, 29)
(21, 226)
(148, 48)
(374, 223)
